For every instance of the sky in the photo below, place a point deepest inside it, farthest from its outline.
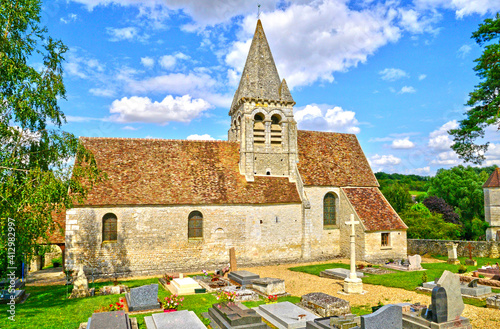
(395, 73)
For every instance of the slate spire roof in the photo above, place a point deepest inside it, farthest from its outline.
(260, 79)
(494, 179)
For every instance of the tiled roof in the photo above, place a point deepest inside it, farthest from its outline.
(333, 159)
(168, 172)
(494, 179)
(56, 234)
(373, 209)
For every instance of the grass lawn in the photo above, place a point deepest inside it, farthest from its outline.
(48, 307)
(406, 280)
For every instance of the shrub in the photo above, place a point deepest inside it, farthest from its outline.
(56, 262)
(462, 269)
(424, 277)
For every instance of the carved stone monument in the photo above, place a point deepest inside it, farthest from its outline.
(452, 253)
(353, 284)
(80, 285)
(470, 261)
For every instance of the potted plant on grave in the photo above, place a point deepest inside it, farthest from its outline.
(271, 299)
(171, 303)
(168, 278)
(226, 296)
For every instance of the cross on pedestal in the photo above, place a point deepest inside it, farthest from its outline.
(470, 247)
(352, 222)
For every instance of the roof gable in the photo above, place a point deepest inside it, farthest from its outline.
(173, 172)
(493, 180)
(332, 159)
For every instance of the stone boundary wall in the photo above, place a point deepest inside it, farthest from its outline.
(438, 247)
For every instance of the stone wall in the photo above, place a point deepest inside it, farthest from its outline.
(375, 253)
(438, 247)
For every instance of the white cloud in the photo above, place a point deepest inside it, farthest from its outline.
(383, 160)
(130, 128)
(335, 119)
(126, 33)
(418, 22)
(422, 77)
(404, 143)
(206, 137)
(142, 109)
(463, 51)
(407, 90)
(439, 139)
(422, 171)
(462, 7)
(69, 18)
(102, 92)
(448, 158)
(392, 74)
(147, 62)
(167, 61)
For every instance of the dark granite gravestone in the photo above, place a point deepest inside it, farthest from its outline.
(143, 298)
(6, 284)
(243, 277)
(109, 320)
(439, 305)
(231, 315)
(388, 316)
(176, 320)
(325, 305)
(473, 283)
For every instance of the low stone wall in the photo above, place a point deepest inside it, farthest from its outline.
(438, 247)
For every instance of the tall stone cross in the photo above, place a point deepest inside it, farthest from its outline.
(470, 247)
(352, 222)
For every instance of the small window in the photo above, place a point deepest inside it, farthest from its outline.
(109, 227)
(329, 210)
(385, 240)
(195, 225)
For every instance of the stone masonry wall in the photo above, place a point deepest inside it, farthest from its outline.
(154, 240)
(375, 253)
(438, 247)
(492, 211)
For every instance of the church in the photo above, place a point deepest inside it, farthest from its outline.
(275, 193)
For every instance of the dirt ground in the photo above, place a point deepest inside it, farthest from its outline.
(298, 284)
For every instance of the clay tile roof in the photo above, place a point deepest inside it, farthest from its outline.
(168, 172)
(333, 159)
(260, 79)
(56, 234)
(373, 209)
(494, 179)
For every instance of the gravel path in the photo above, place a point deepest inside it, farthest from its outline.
(298, 284)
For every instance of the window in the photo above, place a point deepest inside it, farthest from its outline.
(195, 225)
(109, 227)
(385, 240)
(329, 210)
(259, 130)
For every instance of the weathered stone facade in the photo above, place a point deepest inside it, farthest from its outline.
(492, 212)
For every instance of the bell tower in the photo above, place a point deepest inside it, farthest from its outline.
(262, 116)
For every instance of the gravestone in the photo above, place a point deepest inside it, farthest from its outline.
(113, 290)
(109, 320)
(269, 286)
(285, 315)
(439, 306)
(80, 285)
(472, 289)
(414, 261)
(470, 261)
(451, 283)
(338, 273)
(349, 321)
(325, 305)
(232, 259)
(243, 277)
(388, 316)
(184, 286)
(452, 253)
(493, 302)
(143, 298)
(175, 320)
(230, 315)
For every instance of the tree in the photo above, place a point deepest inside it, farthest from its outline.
(398, 196)
(35, 178)
(422, 224)
(438, 205)
(485, 99)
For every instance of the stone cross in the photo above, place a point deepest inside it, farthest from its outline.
(470, 247)
(352, 222)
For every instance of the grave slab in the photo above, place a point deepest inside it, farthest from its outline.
(242, 294)
(388, 316)
(285, 315)
(231, 315)
(184, 286)
(109, 320)
(175, 320)
(243, 277)
(349, 322)
(477, 291)
(269, 286)
(338, 273)
(143, 298)
(325, 305)
(493, 302)
(414, 321)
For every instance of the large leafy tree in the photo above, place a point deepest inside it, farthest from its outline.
(485, 99)
(423, 224)
(35, 178)
(398, 196)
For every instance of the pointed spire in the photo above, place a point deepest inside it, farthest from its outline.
(260, 78)
(285, 94)
(493, 180)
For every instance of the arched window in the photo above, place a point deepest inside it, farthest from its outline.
(275, 130)
(329, 210)
(195, 225)
(259, 130)
(109, 227)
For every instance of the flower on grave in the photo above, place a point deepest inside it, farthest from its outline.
(272, 299)
(205, 273)
(226, 296)
(172, 302)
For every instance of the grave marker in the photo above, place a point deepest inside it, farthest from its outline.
(451, 283)
(452, 253)
(230, 315)
(353, 285)
(470, 261)
(414, 261)
(325, 305)
(143, 298)
(388, 316)
(176, 320)
(232, 259)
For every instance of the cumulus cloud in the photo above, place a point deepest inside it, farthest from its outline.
(439, 139)
(147, 62)
(336, 119)
(448, 158)
(404, 143)
(206, 137)
(392, 74)
(142, 109)
(383, 160)
(422, 171)
(126, 33)
(169, 61)
(462, 7)
(407, 90)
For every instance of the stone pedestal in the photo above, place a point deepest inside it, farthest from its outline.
(452, 253)
(353, 286)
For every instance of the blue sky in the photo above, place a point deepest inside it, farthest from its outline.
(395, 73)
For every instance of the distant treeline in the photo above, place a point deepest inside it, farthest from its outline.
(413, 182)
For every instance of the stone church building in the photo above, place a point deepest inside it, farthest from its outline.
(275, 193)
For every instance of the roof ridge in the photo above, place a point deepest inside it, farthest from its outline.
(325, 132)
(158, 139)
